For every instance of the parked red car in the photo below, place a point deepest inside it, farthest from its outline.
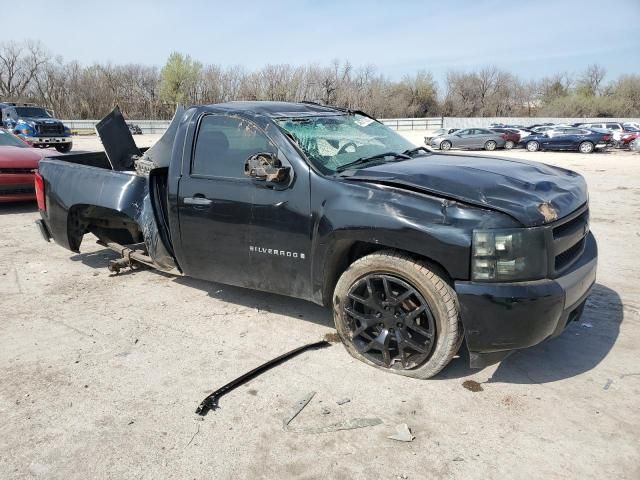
(512, 137)
(627, 138)
(18, 160)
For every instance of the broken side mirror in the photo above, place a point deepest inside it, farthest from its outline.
(267, 167)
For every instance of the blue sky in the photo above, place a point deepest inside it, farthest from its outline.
(529, 38)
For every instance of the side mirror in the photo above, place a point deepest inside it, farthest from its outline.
(267, 167)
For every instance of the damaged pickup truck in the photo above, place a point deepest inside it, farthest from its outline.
(415, 251)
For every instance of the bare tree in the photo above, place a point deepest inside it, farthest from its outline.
(29, 73)
(591, 80)
(19, 64)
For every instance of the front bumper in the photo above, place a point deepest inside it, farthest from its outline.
(502, 317)
(47, 141)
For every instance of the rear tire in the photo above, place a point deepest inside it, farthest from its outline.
(508, 145)
(490, 146)
(586, 147)
(445, 145)
(533, 146)
(64, 147)
(397, 314)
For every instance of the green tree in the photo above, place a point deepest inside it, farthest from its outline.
(179, 79)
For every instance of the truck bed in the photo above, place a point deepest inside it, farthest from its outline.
(84, 195)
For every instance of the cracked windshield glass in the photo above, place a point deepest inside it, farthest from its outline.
(333, 142)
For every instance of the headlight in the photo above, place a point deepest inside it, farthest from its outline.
(508, 255)
(25, 128)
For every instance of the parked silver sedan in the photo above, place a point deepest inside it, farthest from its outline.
(469, 138)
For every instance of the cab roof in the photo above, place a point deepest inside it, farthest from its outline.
(278, 109)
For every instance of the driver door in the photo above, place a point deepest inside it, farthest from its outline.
(215, 200)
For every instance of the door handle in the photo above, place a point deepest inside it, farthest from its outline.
(202, 201)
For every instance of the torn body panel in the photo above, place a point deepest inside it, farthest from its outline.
(515, 187)
(117, 141)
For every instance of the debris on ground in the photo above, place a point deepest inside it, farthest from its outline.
(586, 325)
(342, 401)
(472, 386)
(607, 384)
(350, 424)
(403, 433)
(458, 459)
(211, 401)
(297, 409)
(194, 435)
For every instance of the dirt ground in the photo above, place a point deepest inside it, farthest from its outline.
(100, 374)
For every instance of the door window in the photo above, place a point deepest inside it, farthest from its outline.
(224, 144)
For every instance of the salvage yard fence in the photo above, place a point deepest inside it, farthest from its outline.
(424, 123)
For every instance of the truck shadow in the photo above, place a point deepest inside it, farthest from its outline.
(263, 301)
(580, 348)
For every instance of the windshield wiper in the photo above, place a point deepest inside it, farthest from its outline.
(363, 160)
(411, 151)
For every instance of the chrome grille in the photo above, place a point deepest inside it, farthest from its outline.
(50, 129)
(21, 171)
(16, 189)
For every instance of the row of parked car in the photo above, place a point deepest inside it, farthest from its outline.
(582, 137)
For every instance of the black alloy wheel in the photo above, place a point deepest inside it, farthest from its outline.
(390, 322)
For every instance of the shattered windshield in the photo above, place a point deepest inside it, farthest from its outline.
(332, 142)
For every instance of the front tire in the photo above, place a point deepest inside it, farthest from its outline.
(64, 147)
(508, 145)
(586, 147)
(533, 146)
(397, 314)
(445, 145)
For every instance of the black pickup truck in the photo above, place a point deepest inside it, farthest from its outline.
(415, 251)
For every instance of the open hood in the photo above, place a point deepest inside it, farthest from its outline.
(524, 190)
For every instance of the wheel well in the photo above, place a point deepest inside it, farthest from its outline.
(102, 222)
(345, 253)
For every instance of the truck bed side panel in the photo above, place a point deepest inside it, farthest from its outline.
(68, 185)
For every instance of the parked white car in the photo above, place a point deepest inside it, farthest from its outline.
(616, 128)
(438, 133)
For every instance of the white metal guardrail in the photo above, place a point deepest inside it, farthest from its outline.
(424, 123)
(159, 126)
(147, 126)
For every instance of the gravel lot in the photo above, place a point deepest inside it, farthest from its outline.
(100, 374)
